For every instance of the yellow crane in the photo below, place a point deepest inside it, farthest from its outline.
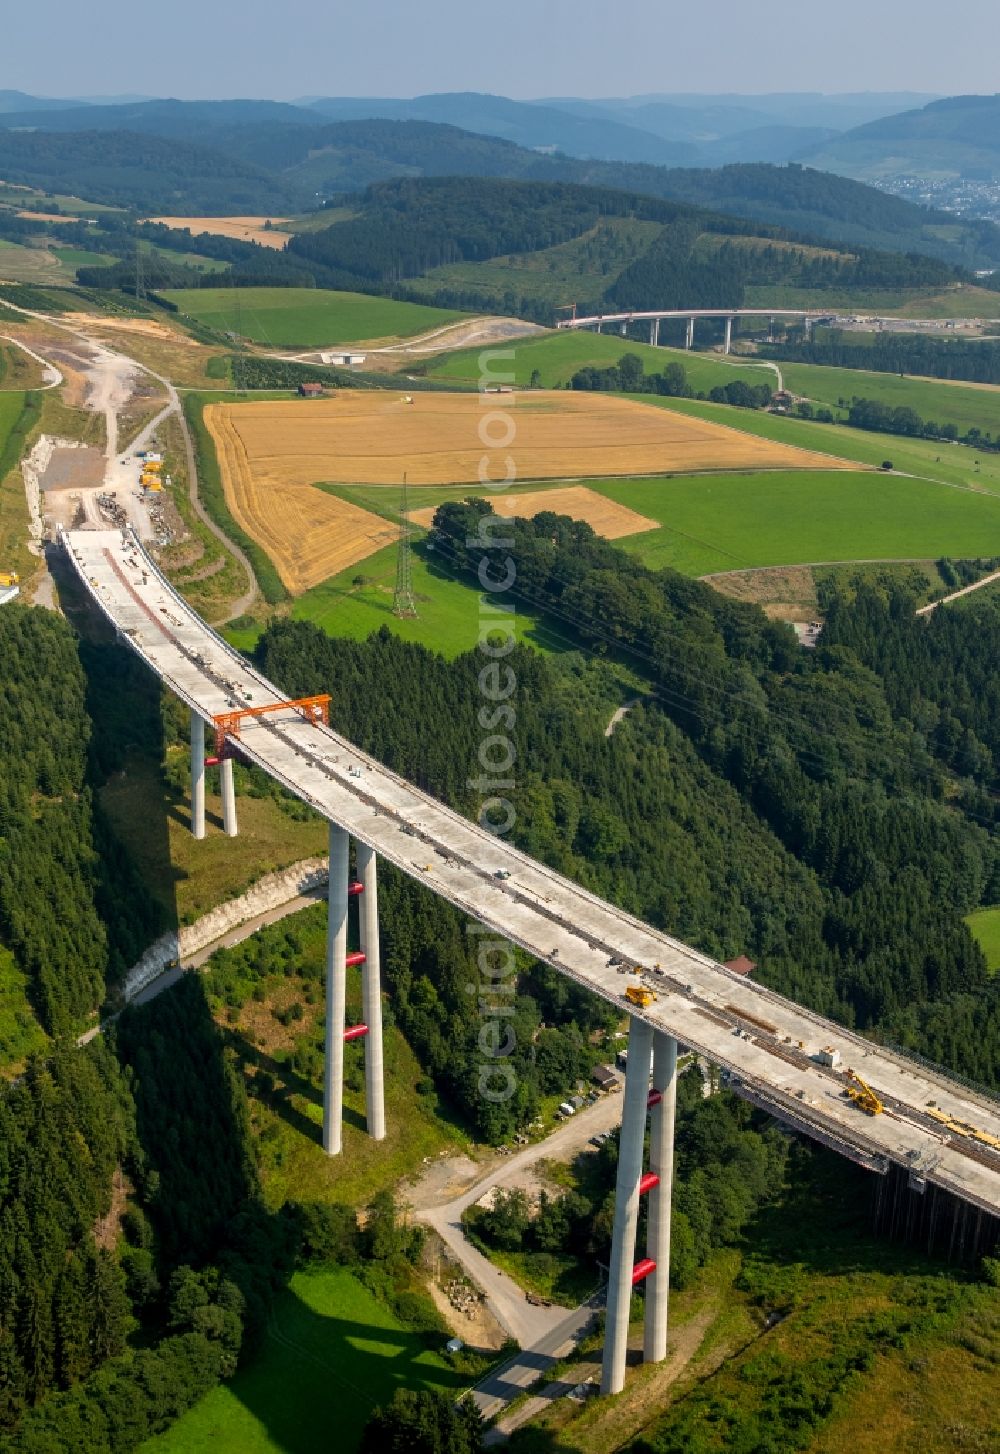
(862, 1095)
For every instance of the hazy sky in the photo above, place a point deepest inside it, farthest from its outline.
(523, 48)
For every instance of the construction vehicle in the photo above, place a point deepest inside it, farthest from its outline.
(9, 578)
(963, 1128)
(862, 1095)
(637, 995)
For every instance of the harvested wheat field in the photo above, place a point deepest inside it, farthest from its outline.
(373, 437)
(243, 229)
(605, 517)
(308, 534)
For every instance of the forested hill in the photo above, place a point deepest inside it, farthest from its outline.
(762, 799)
(686, 257)
(146, 173)
(167, 156)
(958, 136)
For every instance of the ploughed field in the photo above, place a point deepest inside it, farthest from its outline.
(273, 453)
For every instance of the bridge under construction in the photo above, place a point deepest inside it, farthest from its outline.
(880, 1109)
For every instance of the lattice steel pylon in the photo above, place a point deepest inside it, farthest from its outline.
(403, 603)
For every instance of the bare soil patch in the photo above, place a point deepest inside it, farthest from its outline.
(787, 593)
(73, 469)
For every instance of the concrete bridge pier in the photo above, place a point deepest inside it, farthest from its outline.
(729, 335)
(336, 992)
(228, 797)
(661, 1165)
(621, 1272)
(371, 990)
(689, 336)
(197, 775)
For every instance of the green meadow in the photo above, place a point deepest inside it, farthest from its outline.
(985, 926)
(448, 617)
(331, 1353)
(559, 355)
(965, 405)
(306, 317)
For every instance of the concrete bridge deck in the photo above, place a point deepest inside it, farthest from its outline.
(763, 1040)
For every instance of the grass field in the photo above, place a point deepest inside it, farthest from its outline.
(449, 610)
(331, 1353)
(558, 356)
(29, 265)
(948, 464)
(733, 522)
(964, 405)
(985, 926)
(78, 257)
(308, 317)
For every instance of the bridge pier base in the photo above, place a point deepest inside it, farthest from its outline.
(197, 775)
(371, 990)
(661, 1164)
(729, 336)
(228, 797)
(336, 992)
(633, 1132)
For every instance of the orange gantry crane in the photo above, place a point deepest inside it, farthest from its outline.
(227, 724)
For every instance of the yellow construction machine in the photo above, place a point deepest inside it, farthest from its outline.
(637, 995)
(862, 1095)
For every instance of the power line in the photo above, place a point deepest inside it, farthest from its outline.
(403, 603)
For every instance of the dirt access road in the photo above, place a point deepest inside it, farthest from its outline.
(528, 1323)
(109, 378)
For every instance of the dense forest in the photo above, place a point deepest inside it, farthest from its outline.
(761, 799)
(407, 228)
